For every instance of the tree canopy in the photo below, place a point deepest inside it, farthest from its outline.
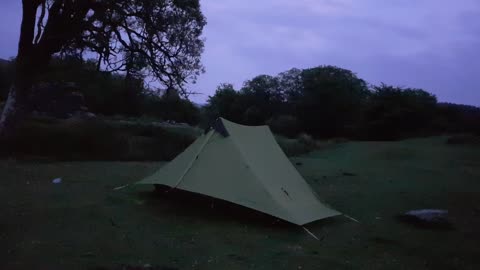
(328, 101)
(163, 37)
(159, 39)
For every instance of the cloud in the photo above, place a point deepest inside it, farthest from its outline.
(426, 44)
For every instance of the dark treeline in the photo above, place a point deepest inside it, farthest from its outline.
(324, 101)
(328, 101)
(108, 94)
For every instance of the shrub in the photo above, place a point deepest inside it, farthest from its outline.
(464, 139)
(65, 140)
(76, 139)
(291, 147)
(171, 107)
(339, 140)
(286, 125)
(307, 140)
(299, 146)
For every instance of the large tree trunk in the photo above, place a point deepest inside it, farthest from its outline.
(27, 65)
(14, 111)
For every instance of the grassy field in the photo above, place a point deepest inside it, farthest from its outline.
(83, 223)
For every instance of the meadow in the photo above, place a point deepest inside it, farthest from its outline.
(84, 223)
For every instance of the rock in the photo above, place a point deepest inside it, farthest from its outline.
(57, 181)
(430, 215)
(427, 218)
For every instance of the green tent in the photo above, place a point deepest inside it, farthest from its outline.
(243, 165)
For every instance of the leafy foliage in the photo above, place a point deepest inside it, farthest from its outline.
(76, 139)
(263, 98)
(226, 102)
(331, 99)
(160, 39)
(285, 124)
(109, 93)
(170, 106)
(328, 101)
(393, 111)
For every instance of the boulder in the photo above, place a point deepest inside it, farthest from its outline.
(427, 218)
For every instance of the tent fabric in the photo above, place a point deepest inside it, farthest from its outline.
(248, 168)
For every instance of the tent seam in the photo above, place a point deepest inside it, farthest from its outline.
(238, 148)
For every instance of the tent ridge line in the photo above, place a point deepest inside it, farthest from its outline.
(193, 159)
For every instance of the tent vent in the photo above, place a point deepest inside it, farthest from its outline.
(286, 193)
(218, 127)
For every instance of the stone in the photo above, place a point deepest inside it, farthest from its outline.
(427, 218)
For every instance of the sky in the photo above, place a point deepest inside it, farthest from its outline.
(428, 44)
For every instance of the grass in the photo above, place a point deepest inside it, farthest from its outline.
(83, 223)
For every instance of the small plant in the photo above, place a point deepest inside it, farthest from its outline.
(307, 140)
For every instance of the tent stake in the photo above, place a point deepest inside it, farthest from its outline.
(349, 217)
(121, 187)
(309, 232)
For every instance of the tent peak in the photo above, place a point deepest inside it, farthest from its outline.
(219, 127)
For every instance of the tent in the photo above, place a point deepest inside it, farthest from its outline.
(243, 165)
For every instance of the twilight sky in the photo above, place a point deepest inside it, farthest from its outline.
(429, 44)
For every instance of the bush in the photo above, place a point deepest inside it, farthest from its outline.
(339, 140)
(75, 139)
(171, 107)
(299, 146)
(307, 140)
(64, 140)
(286, 125)
(292, 147)
(464, 139)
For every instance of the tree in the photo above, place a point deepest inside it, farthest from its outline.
(166, 34)
(225, 103)
(330, 100)
(134, 81)
(264, 97)
(171, 106)
(394, 112)
(291, 83)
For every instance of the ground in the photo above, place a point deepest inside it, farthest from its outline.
(83, 223)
